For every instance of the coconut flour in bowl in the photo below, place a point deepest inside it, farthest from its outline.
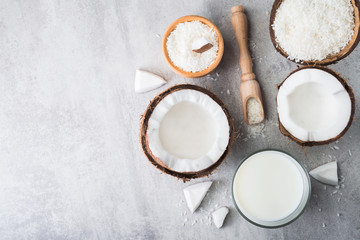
(179, 46)
(313, 30)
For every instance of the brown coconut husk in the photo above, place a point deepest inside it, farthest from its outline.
(352, 98)
(186, 176)
(330, 59)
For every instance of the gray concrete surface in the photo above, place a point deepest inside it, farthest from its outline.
(71, 166)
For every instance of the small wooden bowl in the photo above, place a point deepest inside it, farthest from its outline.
(330, 59)
(219, 53)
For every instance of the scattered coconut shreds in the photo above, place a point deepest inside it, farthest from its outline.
(255, 131)
(219, 216)
(336, 148)
(323, 225)
(326, 173)
(350, 153)
(194, 194)
(147, 81)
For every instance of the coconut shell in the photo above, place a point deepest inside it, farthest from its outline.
(186, 176)
(330, 59)
(352, 98)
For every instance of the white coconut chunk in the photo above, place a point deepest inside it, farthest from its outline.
(313, 105)
(194, 194)
(326, 173)
(147, 81)
(201, 45)
(219, 216)
(188, 131)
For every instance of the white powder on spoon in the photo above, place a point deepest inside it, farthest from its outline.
(253, 111)
(179, 46)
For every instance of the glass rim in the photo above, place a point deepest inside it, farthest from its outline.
(306, 202)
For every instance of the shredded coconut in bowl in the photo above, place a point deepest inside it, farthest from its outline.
(311, 30)
(179, 46)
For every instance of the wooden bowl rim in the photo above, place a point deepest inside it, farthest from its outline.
(330, 59)
(220, 52)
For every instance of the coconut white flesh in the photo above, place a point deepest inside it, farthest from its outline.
(326, 173)
(194, 194)
(200, 43)
(313, 105)
(219, 216)
(147, 81)
(188, 131)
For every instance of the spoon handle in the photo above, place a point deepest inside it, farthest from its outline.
(239, 23)
(249, 87)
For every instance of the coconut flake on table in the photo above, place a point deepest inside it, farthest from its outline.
(194, 194)
(326, 173)
(179, 46)
(310, 30)
(146, 81)
(219, 216)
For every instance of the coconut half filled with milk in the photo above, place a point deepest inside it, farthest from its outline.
(186, 131)
(315, 106)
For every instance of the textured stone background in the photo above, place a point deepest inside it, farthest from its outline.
(71, 166)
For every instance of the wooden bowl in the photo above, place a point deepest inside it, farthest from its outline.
(219, 53)
(330, 59)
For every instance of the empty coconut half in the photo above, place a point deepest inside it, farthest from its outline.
(186, 131)
(315, 106)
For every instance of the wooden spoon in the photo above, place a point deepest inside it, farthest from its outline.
(249, 87)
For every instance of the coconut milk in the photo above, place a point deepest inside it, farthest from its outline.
(268, 186)
(187, 130)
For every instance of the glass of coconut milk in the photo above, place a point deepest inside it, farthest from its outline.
(271, 188)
